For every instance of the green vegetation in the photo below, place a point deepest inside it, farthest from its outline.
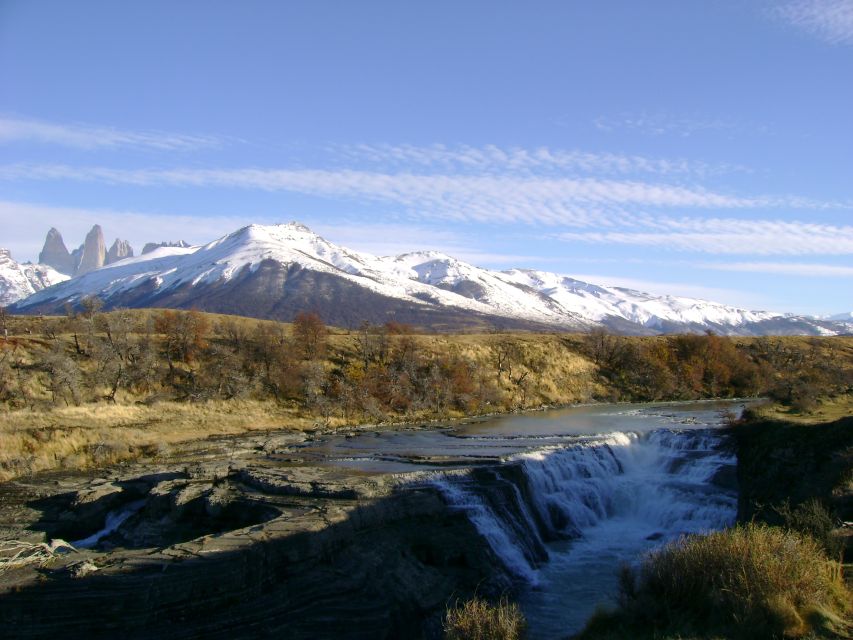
(477, 619)
(752, 581)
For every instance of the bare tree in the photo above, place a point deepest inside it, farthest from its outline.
(310, 333)
(4, 320)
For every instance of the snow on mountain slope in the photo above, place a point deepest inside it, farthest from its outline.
(18, 281)
(247, 248)
(425, 280)
(503, 297)
(598, 303)
(843, 319)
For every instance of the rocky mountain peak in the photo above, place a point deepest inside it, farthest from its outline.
(94, 251)
(55, 253)
(120, 250)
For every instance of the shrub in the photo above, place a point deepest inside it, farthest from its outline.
(476, 619)
(813, 519)
(752, 581)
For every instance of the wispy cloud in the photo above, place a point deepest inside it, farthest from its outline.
(493, 159)
(729, 236)
(784, 268)
(829, 20)
(507, 198)
(670, 124)
(88, 137)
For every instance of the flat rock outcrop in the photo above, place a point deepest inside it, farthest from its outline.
(244, 547)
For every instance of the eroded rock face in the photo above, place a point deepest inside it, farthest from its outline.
(245, 549)
(55, 253)
(120, 250)
(94, 251)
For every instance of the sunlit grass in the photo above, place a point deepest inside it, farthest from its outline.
(477, 619)
(751, 581)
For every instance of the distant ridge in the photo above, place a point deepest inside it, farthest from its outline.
(19, 280)
(275, 271)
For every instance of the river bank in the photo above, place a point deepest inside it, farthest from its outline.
(318, 534)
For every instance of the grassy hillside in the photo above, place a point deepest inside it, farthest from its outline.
(94, 388)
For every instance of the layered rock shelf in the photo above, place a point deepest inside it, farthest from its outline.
(237, 539)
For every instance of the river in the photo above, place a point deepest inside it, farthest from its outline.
(576, 493)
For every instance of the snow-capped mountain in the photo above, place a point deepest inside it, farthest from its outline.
(278, 270)
(17, 281)
(843, 319)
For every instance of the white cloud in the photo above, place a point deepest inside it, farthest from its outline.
(677, 125)
(88, 137)
(729, 236)
(492, 159)
(829, 20)
(508, 198)
(784, 268)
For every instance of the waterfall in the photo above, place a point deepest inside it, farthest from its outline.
(656, 485)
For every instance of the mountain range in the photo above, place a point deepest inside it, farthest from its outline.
(17, 281)
(276, 271)
(90, 255)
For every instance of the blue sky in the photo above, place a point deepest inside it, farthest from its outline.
(687, 147)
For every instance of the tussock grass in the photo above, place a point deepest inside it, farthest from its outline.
(477, 619)
(751, 581)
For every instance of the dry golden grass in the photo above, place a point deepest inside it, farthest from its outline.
(98, 435)
(827, 410)
(752, 581)
(476, 619)
(544, 369)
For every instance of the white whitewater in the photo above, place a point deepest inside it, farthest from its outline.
(593, 505)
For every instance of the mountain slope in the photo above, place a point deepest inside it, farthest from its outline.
(278, 270)
(18, 281)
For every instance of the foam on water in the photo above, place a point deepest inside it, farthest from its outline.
(597, 503)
